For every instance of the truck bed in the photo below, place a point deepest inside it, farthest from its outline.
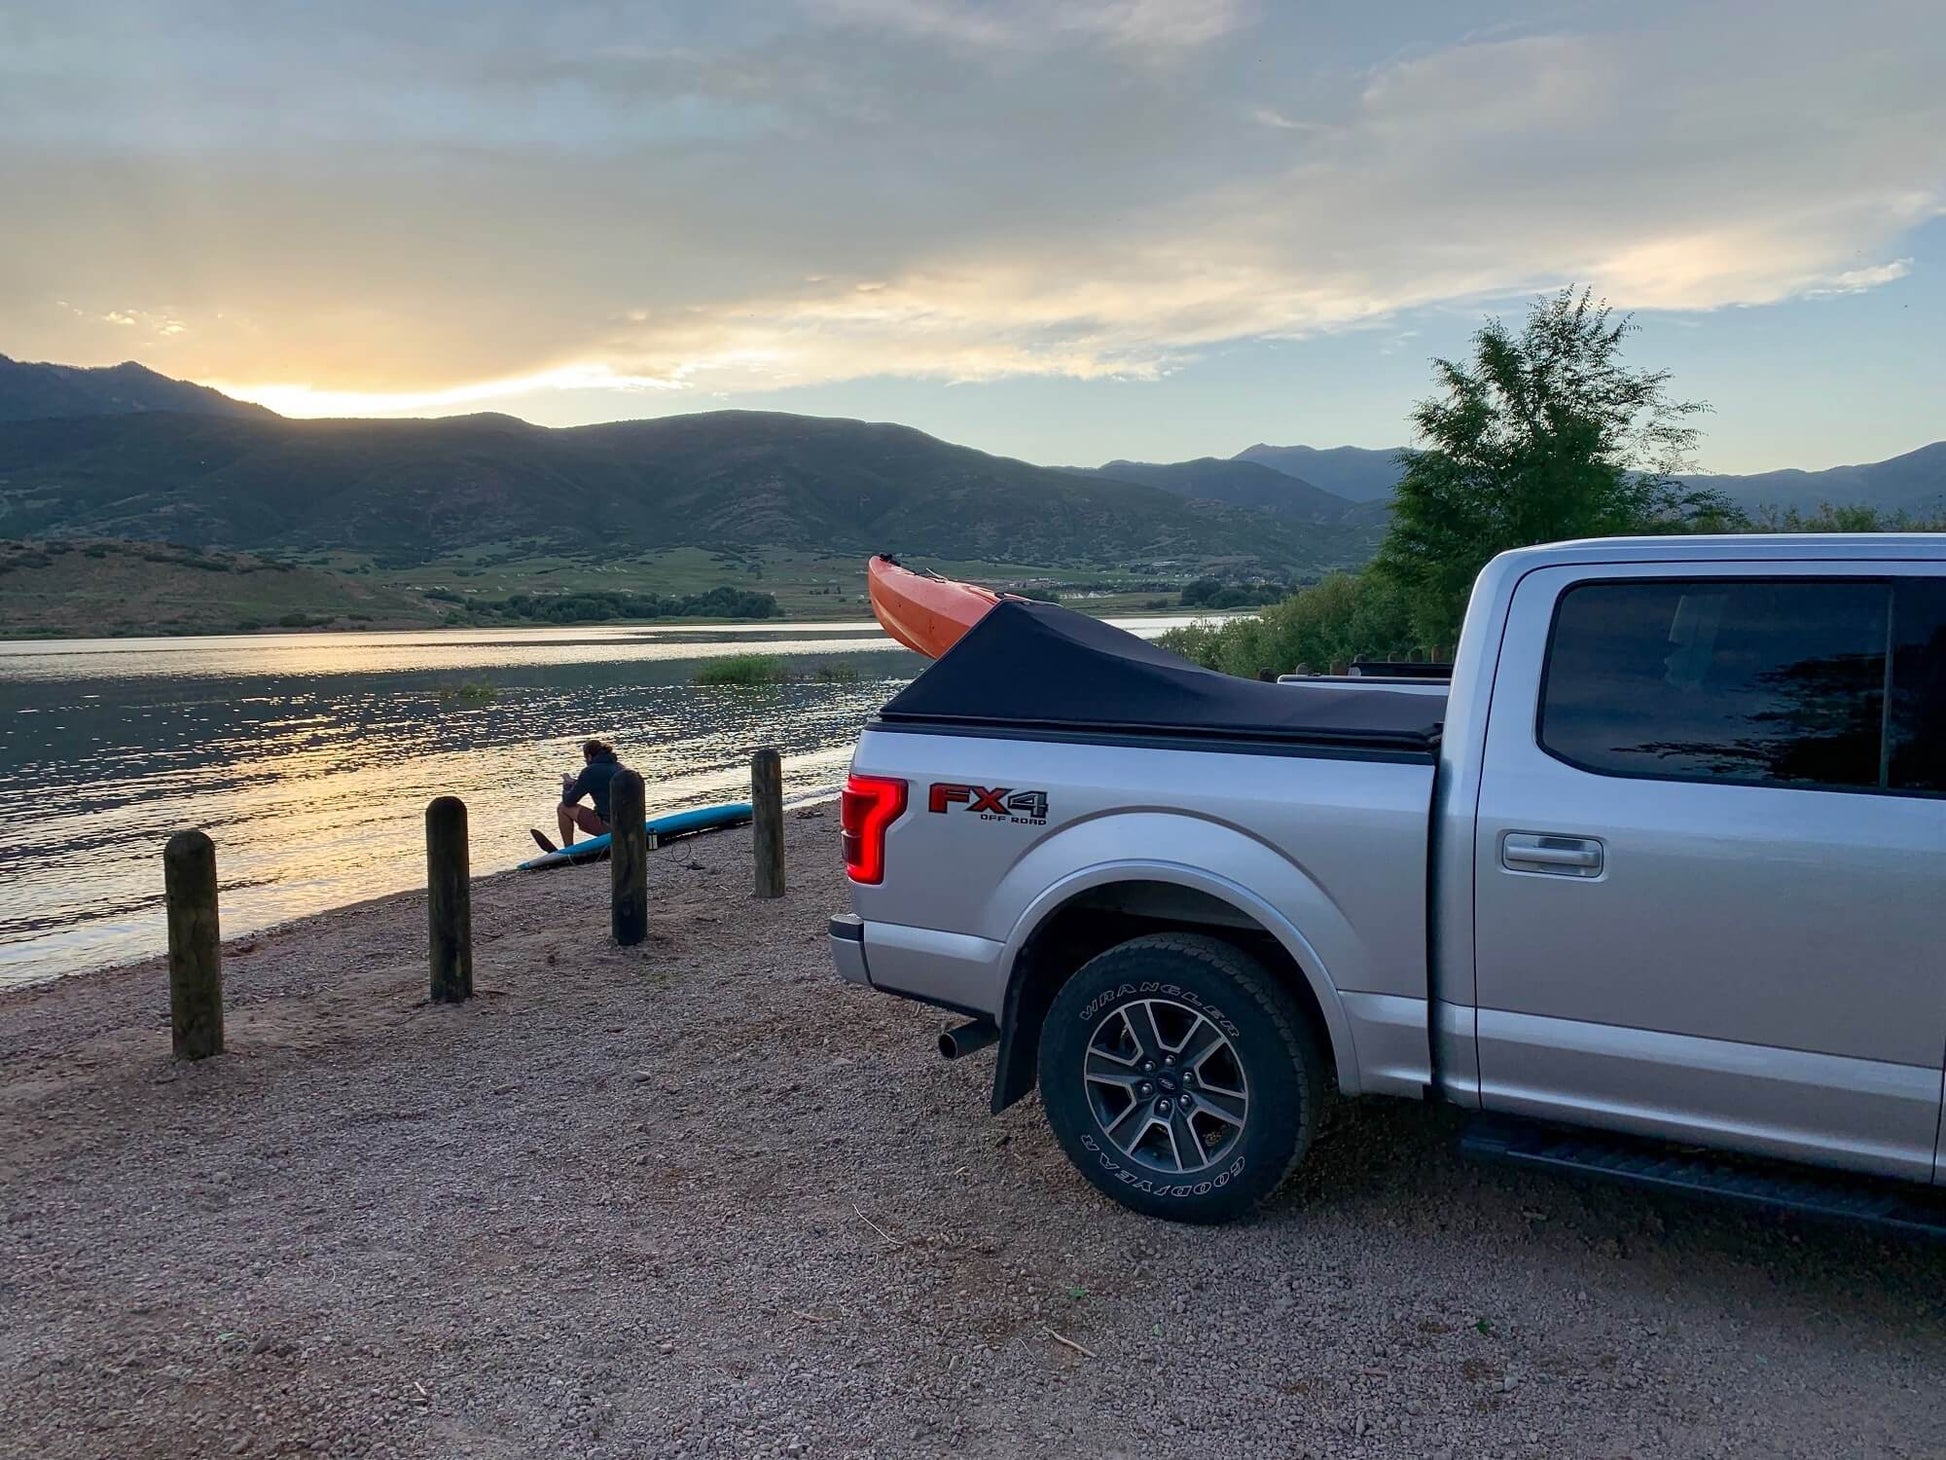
(1327, 838)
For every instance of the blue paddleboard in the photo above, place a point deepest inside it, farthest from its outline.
(675, 823)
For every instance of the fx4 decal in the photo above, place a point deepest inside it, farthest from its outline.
(998, 803)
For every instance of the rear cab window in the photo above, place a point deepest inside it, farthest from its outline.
(1804, 682)
(1916, 723)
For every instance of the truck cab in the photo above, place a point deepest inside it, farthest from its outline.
(1692, 840)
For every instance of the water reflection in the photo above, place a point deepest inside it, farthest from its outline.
(310, 761)
(310, 758)
(447, 649)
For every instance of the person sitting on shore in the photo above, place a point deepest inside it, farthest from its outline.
(593, 783)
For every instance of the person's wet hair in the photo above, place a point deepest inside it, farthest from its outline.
(593, 748)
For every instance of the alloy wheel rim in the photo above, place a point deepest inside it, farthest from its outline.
(1165, 1086)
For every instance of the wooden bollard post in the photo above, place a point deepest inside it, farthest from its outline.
(628, 859)
(449, 901)
(195, 946)
(767, 820)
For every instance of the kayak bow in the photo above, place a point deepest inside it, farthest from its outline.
(924, 612)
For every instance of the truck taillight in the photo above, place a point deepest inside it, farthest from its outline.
(867, 809)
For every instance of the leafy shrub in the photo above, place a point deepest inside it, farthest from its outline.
(1344, 617)
(600, 605)
(1197, 591)
(1212, 594)
(1852, 518)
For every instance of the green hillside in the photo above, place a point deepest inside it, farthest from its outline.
(91, 589)
(411, 492)
(1239, 484)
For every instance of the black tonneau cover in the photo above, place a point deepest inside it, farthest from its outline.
(1037, 666)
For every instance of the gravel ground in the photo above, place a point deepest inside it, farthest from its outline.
(701, 1199)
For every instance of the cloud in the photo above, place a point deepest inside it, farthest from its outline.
(155, 322)
(1269, 116)
(1857, 281)
(379, 207)
(1139, 25)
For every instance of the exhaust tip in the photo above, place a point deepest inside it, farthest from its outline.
(968, 1038)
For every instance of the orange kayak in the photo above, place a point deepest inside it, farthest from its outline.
(924, 612)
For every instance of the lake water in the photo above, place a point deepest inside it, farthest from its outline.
(309, 758)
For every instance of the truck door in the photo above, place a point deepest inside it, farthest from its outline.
(1709, 863)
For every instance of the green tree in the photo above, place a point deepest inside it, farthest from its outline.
(1544, 434)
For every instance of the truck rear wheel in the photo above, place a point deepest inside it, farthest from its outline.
(1180, 1077)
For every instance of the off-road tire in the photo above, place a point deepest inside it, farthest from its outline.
(1175, 977)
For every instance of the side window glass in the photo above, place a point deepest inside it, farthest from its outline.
(1916, 732)
(1753, 681)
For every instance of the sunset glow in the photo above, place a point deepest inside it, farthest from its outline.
(307, 401)
(1063, 229)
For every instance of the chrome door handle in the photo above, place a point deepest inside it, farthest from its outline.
(1562, 856)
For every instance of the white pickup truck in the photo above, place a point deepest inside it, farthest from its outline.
(1666, 859)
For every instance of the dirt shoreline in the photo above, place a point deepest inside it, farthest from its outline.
(701, 1199)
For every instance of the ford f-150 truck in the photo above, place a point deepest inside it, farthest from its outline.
(1665, 858)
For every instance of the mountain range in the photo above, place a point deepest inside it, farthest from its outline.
(123, 452)
(1914, 483)
(1245, 484)
(194, 467)
(1356, 473)
(30, 392)
(404, 491)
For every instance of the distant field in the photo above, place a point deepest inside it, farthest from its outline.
(806, 585)
(113, 589)
(110, 588)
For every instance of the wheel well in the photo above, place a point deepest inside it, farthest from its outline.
(1096, 920)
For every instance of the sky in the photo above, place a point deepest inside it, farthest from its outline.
(1065, 230)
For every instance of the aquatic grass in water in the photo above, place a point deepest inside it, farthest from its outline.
(744, 669)
(468, 692)
(764, 669)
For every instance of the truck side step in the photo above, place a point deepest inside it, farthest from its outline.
(1799, 1191)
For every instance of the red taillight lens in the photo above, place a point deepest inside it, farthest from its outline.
(867, 809)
